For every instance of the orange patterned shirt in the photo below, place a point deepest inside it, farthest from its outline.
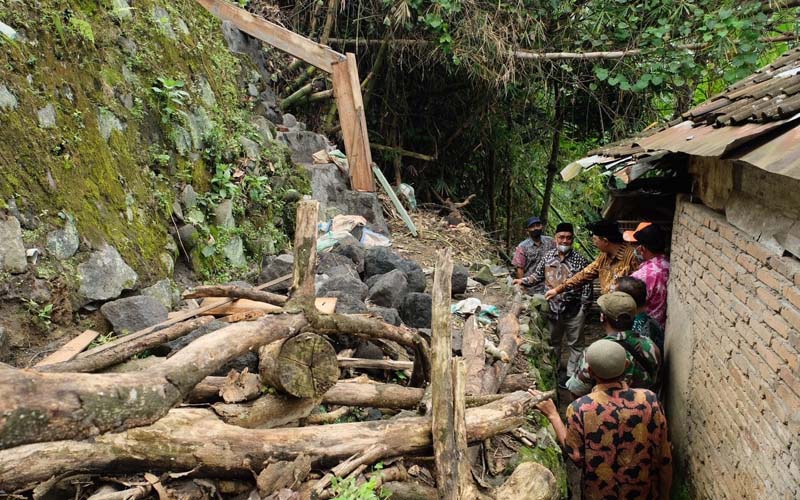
(606, 268)
(618, 437)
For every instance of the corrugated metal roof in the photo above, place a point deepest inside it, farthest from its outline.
(755, 120)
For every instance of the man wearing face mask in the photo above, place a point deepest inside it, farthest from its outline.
(650, 243)
(530, 252)
(567, 311)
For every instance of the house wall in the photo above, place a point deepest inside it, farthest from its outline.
(733, 355)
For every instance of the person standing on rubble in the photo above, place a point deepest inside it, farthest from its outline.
(530, 252)
(568, 311)
(616, 259)
(616, 435)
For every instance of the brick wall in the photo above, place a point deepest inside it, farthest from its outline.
(733, 349)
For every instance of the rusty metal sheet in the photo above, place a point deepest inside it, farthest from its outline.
(780, 155)
(706, 140)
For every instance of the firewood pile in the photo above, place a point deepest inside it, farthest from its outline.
(295, 429)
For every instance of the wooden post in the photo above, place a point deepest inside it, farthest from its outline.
(305, 249)
(443, 417)
(347, 90)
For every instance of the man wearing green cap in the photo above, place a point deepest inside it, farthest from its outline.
(616, 435)
(618, 310)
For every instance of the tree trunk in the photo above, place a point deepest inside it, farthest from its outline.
(510, 340)
(266, 412)
(303, 366)
(305, 249)
(236, 293)
(189, 438)
(489, 177)
(123, 351)
(472, 349)
(37, 406)
(442, 414)
(516, 382)
(552, 163)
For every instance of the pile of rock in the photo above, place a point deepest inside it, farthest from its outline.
(372, 280)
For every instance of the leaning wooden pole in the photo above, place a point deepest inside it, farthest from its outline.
(443, 417)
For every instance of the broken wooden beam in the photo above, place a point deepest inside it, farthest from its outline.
(235, 292)
(71, 349)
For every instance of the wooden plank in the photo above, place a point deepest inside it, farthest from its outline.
(393, 196)
(326, 305)
(279, 37)
(347, 111)
(361, 178)
(225, 307)
(71, 349)
(177, 319)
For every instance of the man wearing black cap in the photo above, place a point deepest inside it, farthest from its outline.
(529, 253)
(616, 259)
(568, 310)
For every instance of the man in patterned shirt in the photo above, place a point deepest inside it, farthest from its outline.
(568, 310)
(616, 259)
(617, 312)
(616, 435)
(531, 250)
(654, 270)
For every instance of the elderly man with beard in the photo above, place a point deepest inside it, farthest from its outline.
(567, 311)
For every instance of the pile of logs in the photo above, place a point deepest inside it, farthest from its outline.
(67, 428)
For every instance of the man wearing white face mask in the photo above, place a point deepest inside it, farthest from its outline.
(567, 310)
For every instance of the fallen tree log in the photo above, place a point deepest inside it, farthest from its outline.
(36, 406)
(121, 352)
(345, 393)
(186, 439)
(239, 306)
(510, 339)
(235, 292)
(303, 366)
(266, 412)
(473, 352)
(380, 364)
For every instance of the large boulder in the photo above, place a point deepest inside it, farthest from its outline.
(275, 268)
(459, 279)
(417, 310)
(164, 292)
(345, 284)
(63, 243)
(387, 314)
(328, 261)
(303, 144)
(105, 275)
(389, 289)
(348, 304)
(12, 249)
(381, 260)
(352, 249)
(132, 314)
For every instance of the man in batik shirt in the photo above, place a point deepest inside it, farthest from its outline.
(616, 259)
(568, 310)
(617, 312)
(616, 435)
(650, 243)
(530, 251)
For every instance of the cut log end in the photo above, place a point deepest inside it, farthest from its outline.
(304, 366)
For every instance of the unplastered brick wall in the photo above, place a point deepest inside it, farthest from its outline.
(740, 401)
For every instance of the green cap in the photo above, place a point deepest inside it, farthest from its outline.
(617, 304)
(607, 359)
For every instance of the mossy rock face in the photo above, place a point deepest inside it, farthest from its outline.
(109, 160)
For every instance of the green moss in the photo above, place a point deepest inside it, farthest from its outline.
(550, 457)
(109, 186)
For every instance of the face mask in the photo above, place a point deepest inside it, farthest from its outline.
(638, 256)
(535, 233)
(564, 248)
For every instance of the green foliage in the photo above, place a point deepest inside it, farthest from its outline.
(42, 312)
(171, 96)
(82, 28)
(350, 489)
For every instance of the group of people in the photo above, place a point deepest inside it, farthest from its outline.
(615, 430)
